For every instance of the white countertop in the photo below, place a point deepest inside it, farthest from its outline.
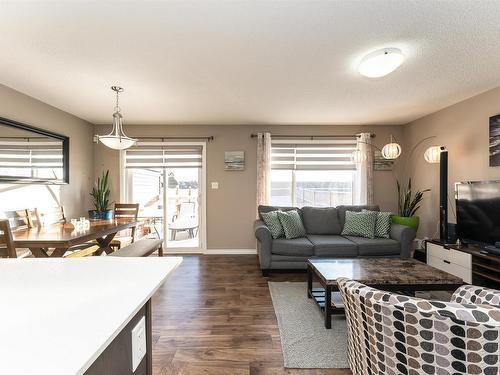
(58, 315)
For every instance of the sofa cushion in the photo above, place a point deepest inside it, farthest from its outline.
(360, 224)
(376, 246)
(264, 208)
(333, 245)
(383, 224)
(343, 209)
(295, 247)
(273, 223)
(321, 220)
(292, 224)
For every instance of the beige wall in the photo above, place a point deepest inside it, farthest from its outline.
(463, 129)
(74, 196)
(231, 209)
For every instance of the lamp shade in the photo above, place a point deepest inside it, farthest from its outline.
(391, 151)
(117, 143)
(433, 154)
(358, 156)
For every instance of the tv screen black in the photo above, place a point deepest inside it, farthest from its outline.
(478, 211)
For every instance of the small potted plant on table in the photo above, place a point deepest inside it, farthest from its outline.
(100, 198)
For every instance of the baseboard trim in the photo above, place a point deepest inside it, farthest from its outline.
(230, 252)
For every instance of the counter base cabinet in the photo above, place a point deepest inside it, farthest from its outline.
(116, 359)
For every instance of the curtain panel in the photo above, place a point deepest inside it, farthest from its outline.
(263, 168)
(363, 192)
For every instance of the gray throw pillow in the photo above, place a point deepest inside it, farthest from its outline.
(292, 224)
(383, 224)
(360, 224)
(273, 223)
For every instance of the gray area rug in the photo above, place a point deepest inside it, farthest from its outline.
(306, 343)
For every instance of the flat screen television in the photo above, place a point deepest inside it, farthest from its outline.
(478, 211)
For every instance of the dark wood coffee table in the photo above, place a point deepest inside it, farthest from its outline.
(391, 274)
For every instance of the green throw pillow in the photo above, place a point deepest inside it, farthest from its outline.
(360, 224)
(292, 224)
(383, 224)
(273, 223)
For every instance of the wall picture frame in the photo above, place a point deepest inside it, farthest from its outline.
(380, 163)
(494, 141)
(234, 160)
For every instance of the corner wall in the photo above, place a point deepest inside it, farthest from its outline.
(463, 128)
(231, 209)
(74, 196)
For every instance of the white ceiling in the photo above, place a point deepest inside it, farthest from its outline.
(241, 62)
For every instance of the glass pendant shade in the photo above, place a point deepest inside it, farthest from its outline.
(117, 139)
(358, 156)
(433, 154)
(391, 151)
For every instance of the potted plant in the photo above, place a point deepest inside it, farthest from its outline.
(408, 205)
(100, 198)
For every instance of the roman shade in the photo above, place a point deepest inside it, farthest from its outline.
(333, 154)
(162, 155)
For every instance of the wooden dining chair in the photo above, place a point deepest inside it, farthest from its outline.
(47, 216)
(13, 220)
(125, 211)
(7, 249)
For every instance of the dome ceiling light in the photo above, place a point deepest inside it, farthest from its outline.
(381, 62)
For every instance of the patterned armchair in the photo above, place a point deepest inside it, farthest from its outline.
(391, 334)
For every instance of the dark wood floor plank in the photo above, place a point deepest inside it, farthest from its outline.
(215, 316)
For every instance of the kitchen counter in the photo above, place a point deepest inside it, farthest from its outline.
(57, 316)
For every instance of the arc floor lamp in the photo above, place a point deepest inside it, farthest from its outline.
(434, 155)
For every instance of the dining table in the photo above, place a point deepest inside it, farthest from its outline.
(55, 240)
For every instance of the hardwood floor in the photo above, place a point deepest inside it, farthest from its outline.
(214, 315)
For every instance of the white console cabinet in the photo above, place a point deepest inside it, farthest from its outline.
(455, 262)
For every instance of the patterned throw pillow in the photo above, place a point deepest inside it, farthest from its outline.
(360, 224)
(273, 223)
(292, 224)
(383, 224)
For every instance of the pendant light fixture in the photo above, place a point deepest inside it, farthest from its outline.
(117, 139)
(392, 150)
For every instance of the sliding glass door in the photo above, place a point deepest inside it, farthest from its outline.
(167, 179)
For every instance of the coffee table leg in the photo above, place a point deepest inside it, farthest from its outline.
(309, 282)
(328, 306)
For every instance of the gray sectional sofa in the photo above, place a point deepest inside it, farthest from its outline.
(324, 227)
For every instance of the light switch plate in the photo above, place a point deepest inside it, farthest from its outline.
(138, 343)
(215, 185)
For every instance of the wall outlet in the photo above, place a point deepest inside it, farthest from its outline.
(215, 185)
(138, 343)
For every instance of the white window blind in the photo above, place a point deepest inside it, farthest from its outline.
(30, 153)
(328, 155)
(159, 155)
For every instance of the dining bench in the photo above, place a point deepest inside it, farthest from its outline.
(140, 248)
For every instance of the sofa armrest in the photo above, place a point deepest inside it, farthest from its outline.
(264, 243)
(476, 295)
(405, 236)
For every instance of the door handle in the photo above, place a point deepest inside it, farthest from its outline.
(446, 261)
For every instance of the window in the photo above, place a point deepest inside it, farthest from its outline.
(315, 173)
